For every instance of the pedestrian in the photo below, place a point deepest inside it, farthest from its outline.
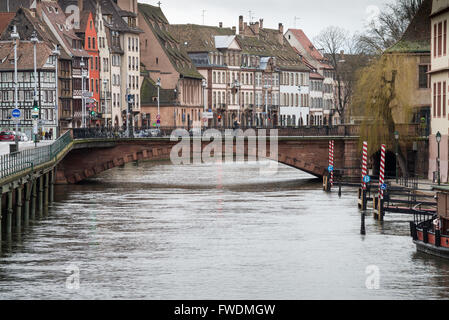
(50, 134)
(437, 224)
(46, 135)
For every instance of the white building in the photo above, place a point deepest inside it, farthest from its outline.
(295, 96)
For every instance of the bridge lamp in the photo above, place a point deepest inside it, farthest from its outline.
(396, 138)
(438, 138)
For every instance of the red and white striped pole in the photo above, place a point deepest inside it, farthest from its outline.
(331, 161)
(383, 150)
(364, 163)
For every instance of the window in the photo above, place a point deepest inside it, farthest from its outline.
(424, 78)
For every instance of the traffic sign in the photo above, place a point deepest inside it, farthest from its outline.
(366, 179)
(383, 187)
(16, 113)
(88, 94)
(208, 115)
(330, 168)
(158, 121)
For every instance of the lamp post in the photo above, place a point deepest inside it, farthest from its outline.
(266, 87)
(158, 118)
(15, 38)
(204, 84)
(35, 40)
(396, 137)
(237, 86)
(83, 105)
(56, 53)
(438, 137)
(105, 111)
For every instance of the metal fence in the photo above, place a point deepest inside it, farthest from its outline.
(18, 161)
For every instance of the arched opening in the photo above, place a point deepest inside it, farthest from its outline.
(390, 164)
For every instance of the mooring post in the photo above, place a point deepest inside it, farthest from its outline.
(362, 227)
(26, 211)
(380, 210)
(19, 207)
(9, 213)
(339, 188)
(1, 215)
(33, 199)
(364, 201)
(41, 196)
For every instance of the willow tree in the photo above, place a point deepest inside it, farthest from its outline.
(382, 99)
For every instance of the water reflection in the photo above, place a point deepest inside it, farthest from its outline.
(158, 231)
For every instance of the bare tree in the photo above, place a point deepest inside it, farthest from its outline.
(389, 26)
(334, 41)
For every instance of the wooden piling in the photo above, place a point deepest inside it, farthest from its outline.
(26, 211)
(41, 196)
(19, 192)
(9, 213)
(33, 199)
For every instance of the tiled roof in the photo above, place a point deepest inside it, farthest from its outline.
(57, 19)
(416, 38)
(5, 18)
(306, 44)
(439, 6)
(25, 55)
(267, 44)
(198, 38)
(14, 5)
(158, 23)
(148, 91)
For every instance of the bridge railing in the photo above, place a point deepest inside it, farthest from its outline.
(13, 163)
(102, 132)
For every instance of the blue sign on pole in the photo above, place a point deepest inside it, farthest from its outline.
(383, 187)
(16, 113)
(330, 168)
(366, 179)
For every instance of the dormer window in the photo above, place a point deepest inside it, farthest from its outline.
(50, 9)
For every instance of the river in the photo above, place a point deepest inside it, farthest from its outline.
(222, 231)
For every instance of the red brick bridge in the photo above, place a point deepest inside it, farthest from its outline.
(89, 157)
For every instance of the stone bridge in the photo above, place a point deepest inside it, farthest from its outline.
(89, 157)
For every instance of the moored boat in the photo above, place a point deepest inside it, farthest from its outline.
(430, 233)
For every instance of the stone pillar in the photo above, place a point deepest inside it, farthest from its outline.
(9, 211)
(46, 191)
(33, 199)
(52, 185)
(19, 204)
(41, 196)
(26, 212)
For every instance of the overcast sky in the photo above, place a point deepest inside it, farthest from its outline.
(313, 15)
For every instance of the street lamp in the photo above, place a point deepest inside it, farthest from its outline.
(266, 87)
(83, 107)
(35, 40)
(237, 86)
(15, 38)
(56, 53)
(438, 137)
(396, 137)
(204, 84)
(158, 118)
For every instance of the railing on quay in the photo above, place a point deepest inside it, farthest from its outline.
(13, 163)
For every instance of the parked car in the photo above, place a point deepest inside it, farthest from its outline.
(155, 133)
(7, 136)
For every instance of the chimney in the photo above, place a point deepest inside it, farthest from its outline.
(256, 28)
(80, 5)
(240, 24)
(234, 29)
(261, 23)
(220, 24)
(281, 34)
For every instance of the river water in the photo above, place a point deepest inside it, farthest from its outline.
(225, 231)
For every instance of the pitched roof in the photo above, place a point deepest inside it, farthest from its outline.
(416, 39)
(306, 44)
(57, 19)
(438, 6)
(158, 24)
(25, 55)
(267, 44)
(148, 91)
(14, 5)
(198, 38)
(5, 18)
